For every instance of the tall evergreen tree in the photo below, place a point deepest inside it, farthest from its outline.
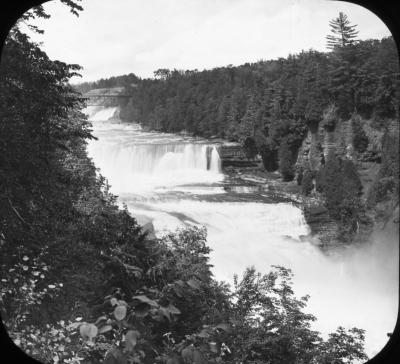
(343, 32)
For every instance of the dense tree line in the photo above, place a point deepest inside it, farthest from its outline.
(81, 283)
(269, 106)
(272, 101)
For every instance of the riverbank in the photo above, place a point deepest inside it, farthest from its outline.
(324, 231)
(249, 173)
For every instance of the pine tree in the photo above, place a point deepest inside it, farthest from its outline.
(344, 33)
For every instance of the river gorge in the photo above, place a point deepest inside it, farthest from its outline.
(173, 180)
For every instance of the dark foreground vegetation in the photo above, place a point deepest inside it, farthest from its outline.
(81, 283)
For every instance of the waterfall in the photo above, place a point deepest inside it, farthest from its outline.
(130, 168)
(99, 113)
(160, 176)
(134, 161)
(215, 163)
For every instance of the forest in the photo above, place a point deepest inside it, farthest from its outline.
(82, 283)
(269, 106)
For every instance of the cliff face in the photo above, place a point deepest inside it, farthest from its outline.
(322, 140)
(232, 155)
(339, 138)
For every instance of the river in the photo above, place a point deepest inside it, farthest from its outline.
(174, 180)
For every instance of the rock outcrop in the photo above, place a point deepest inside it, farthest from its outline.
(322, 226)
(232, 154)
(336, 135)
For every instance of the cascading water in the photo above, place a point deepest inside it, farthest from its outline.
(133, 164)
(215, 164)
(99, 113)
(161, 176)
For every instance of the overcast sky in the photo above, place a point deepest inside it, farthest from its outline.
(117, 37)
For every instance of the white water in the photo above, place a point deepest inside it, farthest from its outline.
(177, 181)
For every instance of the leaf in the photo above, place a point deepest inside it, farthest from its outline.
(213, 347)
(194, 283)
(131, 340)
(120, 312)
(175, 359)
(115, 357)
(204, 334)
(187, 354)
(114, 301)
(142, 309)
(101, 318)
(145, 299)
(75, 325)
(224, 326)
(133, 268)
(179, 282)
(198, 357)
(88, 331)
(178, 291)
(165, 312)
(105, 328)
(174, 310)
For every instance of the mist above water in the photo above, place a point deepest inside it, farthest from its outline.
(177, 181)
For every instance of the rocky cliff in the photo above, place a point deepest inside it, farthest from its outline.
(338, 137)
(232, 155)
